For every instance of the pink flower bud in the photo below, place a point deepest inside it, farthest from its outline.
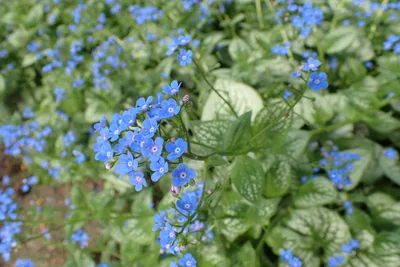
(175, 190)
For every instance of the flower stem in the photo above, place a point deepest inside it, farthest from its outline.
(203, 74)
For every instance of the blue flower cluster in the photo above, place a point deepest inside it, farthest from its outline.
(282, 50)
(352, 245)
(8, 230)
(317, 80)
(144, 14)
(26, 183)
(106, 59)
(338, 165)
(302, 17)
(392, 42)
(184, 214)
(21, 139)
(184, 56)
(292, 261)
(390, 153)
(81, 237)
(131, 140)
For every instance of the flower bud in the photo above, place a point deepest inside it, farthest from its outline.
(175, 190)
(185, 98)
(192, 182)
(108, 165)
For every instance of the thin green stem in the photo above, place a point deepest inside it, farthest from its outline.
(259, 14)
(320, 50)
(335, 16)
(377, 20)
(203, 74)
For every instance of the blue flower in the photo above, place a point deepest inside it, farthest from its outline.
(182, 175)
(150, 127)
(311, 64)
(187, 204)
(169, 108)
(176, 149)
(172, 89)
(296, 74)
(144, 104)
(347, 248)
(183, 40)
(159, 167)
(105, 153)
(101, 124)
(390, 153)
(287, 94)
(153, 149)
(335, 261)
(355, 244)
(6, 180)
(318, 81)
(126, 164)
(28, 113)
(80, 236)
(160, 220)
(79, 156)
(286, 255)
(295, 262)
(24, 263)
(187, 261)
(348, 206)
(137, 179)
(59, 93)
(185, 57)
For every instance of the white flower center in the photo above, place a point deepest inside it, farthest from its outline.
(317, 81)
(170, 110)
(183, 57)
(116, 132)
(154, 149)
(130, 163)
(188, 263)
(177, 150)
(108, 154)
(183, 175)
(187, 206)
(161, 169)
(152, 129)
(139, 179)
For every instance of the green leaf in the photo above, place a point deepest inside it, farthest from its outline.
(304, 230)
(318, 191)
(18, 38)
(238, 133)
(387, 247)
(242, 97)
(277, 178)
(210, 134)
(2, 84)
(270, 124)
(246, 257)
(211, 255)
(352, 71)
(248, 178)
(233, 221)
(339, 39)
(359, 220)
(239, 49)
(390, 167)
(384, 208)
(28, 60)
